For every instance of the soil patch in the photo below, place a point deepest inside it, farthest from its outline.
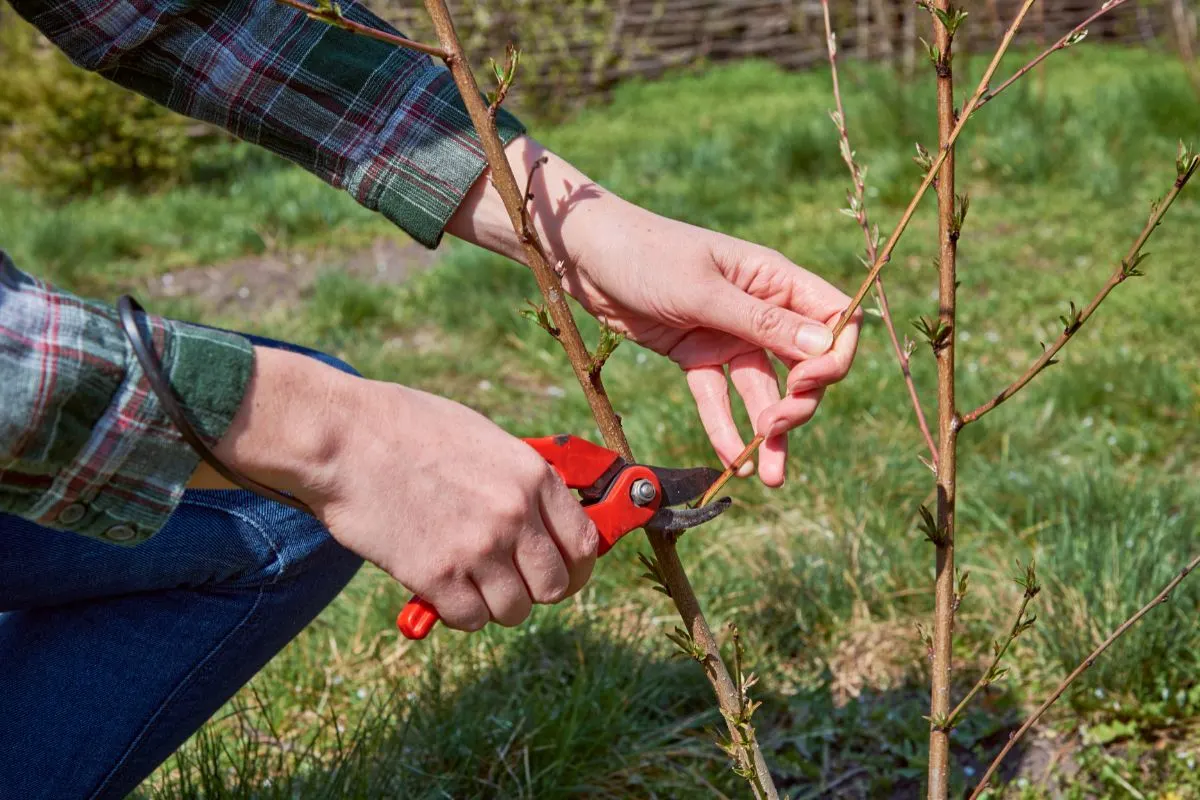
(260, 283)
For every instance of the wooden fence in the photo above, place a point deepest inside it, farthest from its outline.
(574, 48)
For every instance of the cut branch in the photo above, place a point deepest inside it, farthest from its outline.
(731, 470)
(1125, 270)
(730, 697)
(1158, 600)
(749, 757)
(859, 207)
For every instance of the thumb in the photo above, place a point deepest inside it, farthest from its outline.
(774, 328)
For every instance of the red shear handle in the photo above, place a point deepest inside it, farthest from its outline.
(615, 516)
(417, 619)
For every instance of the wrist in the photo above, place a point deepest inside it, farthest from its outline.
(564, 204)
(288, 431)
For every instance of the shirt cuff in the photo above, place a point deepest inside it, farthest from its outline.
(130, 475)
(429, 157)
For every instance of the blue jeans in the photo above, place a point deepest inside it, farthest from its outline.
(111, 657)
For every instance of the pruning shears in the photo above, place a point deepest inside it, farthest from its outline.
(618, 496)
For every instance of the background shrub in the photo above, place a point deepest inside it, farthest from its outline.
(67, 131)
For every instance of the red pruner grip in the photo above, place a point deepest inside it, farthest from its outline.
(618, 496)
(417, 618)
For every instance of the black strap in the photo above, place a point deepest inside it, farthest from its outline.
(127, 307)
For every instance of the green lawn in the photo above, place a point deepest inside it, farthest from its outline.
(1091, 471)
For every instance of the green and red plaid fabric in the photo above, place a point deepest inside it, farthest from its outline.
(84, 445)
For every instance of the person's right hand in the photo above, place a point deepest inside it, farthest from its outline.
(460, 512)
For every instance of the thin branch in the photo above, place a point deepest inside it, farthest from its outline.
(749, 757)
(1158, 600)
(1072, 37)
(859, 207)
(333, 16)
(1125, 270)
(993, 673)
(527, 197)
(731, 470)
(1183, 41)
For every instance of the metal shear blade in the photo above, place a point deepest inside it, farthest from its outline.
(673, 520)
(679, 486)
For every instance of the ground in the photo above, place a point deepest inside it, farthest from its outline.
(1091, 472)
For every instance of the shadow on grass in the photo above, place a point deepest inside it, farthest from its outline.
(580, 711)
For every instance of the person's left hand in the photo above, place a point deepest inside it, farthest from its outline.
(705, 300)
(710, 302)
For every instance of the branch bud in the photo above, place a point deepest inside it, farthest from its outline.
(538, 315)
(1185, 160)
(1075, 38)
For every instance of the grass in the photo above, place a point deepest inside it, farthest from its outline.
(1092, 471)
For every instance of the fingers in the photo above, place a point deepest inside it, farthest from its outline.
(791, 412)
(461, 606)
(754, 378)
(823, 370)
(505, 593)
(772, 276)
(764, 324)
(542, 567)
(710, 388)
(573, 534)
(552, 559)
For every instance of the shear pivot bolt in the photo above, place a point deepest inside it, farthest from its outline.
(643, 492)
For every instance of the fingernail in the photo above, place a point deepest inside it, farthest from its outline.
(746, 470)
(799, 383)
(814, 339)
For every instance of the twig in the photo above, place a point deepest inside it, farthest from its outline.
(333, 16)
(1072, 37)
(527, 197)
(1159, 599)
(749, 755)
(504, 78)
(731, 470)
(1125, 270)
(859, 207)
(1019, 626)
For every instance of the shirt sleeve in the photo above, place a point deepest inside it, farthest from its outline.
(384, 123)
(84, 444)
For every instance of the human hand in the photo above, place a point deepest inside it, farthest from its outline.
(709, 302)
(454, 508)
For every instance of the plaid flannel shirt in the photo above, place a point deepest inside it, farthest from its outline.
(84, 445)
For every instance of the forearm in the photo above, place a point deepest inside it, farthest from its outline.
(290, 426)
